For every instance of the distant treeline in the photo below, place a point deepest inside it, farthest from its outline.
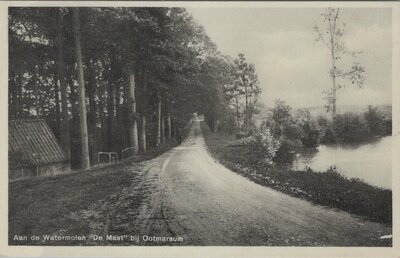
(355, 127)
(285, 130)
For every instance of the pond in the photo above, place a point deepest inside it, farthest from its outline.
(371, 162)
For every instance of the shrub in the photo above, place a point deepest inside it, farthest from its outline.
(350, 127)
(283, 155)
(263, 144)
(374, 120)
(309, 134)
(293, 132)
(325, 130)
(387, 126)
(281, 113)
(310, 137)
(328, 136)
(228, 124)
(282, 123)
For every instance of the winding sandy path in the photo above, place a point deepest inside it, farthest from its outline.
(186, 193)
(208, 204)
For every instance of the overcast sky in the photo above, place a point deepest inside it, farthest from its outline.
(290, 64)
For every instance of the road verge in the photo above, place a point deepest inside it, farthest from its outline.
(328, 189)
(45, 205)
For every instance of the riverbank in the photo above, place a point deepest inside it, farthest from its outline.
(359, 161)
(329, 189)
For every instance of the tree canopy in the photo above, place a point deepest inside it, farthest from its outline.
(147, 67)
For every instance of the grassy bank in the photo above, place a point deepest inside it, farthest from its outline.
(43, 205)
(328, 189)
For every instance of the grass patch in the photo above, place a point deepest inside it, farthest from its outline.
(43, 205)
(329, 189)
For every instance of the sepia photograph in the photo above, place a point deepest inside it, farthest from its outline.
(189, 125)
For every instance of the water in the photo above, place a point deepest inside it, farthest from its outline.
(371, 162)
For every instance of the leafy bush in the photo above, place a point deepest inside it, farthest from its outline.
(282, 122)
(263, 144)
(326, 134)
(283, 155)
(310, 132)
(374, 120)
(310, 137)
(294, 131)
(350, 127)
(387, 127)
(228, 124)
(281, 113)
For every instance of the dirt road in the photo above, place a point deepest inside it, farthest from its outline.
(186, 193)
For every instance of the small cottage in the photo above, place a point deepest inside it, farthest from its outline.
(33, 150)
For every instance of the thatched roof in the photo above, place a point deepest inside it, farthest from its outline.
(31, 142)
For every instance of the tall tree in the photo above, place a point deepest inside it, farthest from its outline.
(331, 34)
(85, 160)
(158, 123)
(162, 117)
(64, 125)
(133, 130)
(247, 87)
(234, 93)
(143, 115)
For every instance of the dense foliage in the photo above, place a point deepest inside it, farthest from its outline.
(298, 129)
(263, 144)
(144, 68)
(350, 127)
(243, 92)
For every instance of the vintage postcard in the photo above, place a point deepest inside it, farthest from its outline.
(200, 129)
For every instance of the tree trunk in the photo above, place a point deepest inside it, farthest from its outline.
(333, 75)
(333, 56)
(175, 133)
(246, 115)
(162, 128)
(133, 132)
(110, 115)
(333, 85)
(142, 138)
(143, 107)
(82, 103)
(158, 128)
(102, 117)
(93, 113)
(237, 112)
(216, 125)
(117, 102)
(169, 132)
(92, 93)
(64, 125)
(57, 105)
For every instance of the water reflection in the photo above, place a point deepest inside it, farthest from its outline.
(371, 162)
